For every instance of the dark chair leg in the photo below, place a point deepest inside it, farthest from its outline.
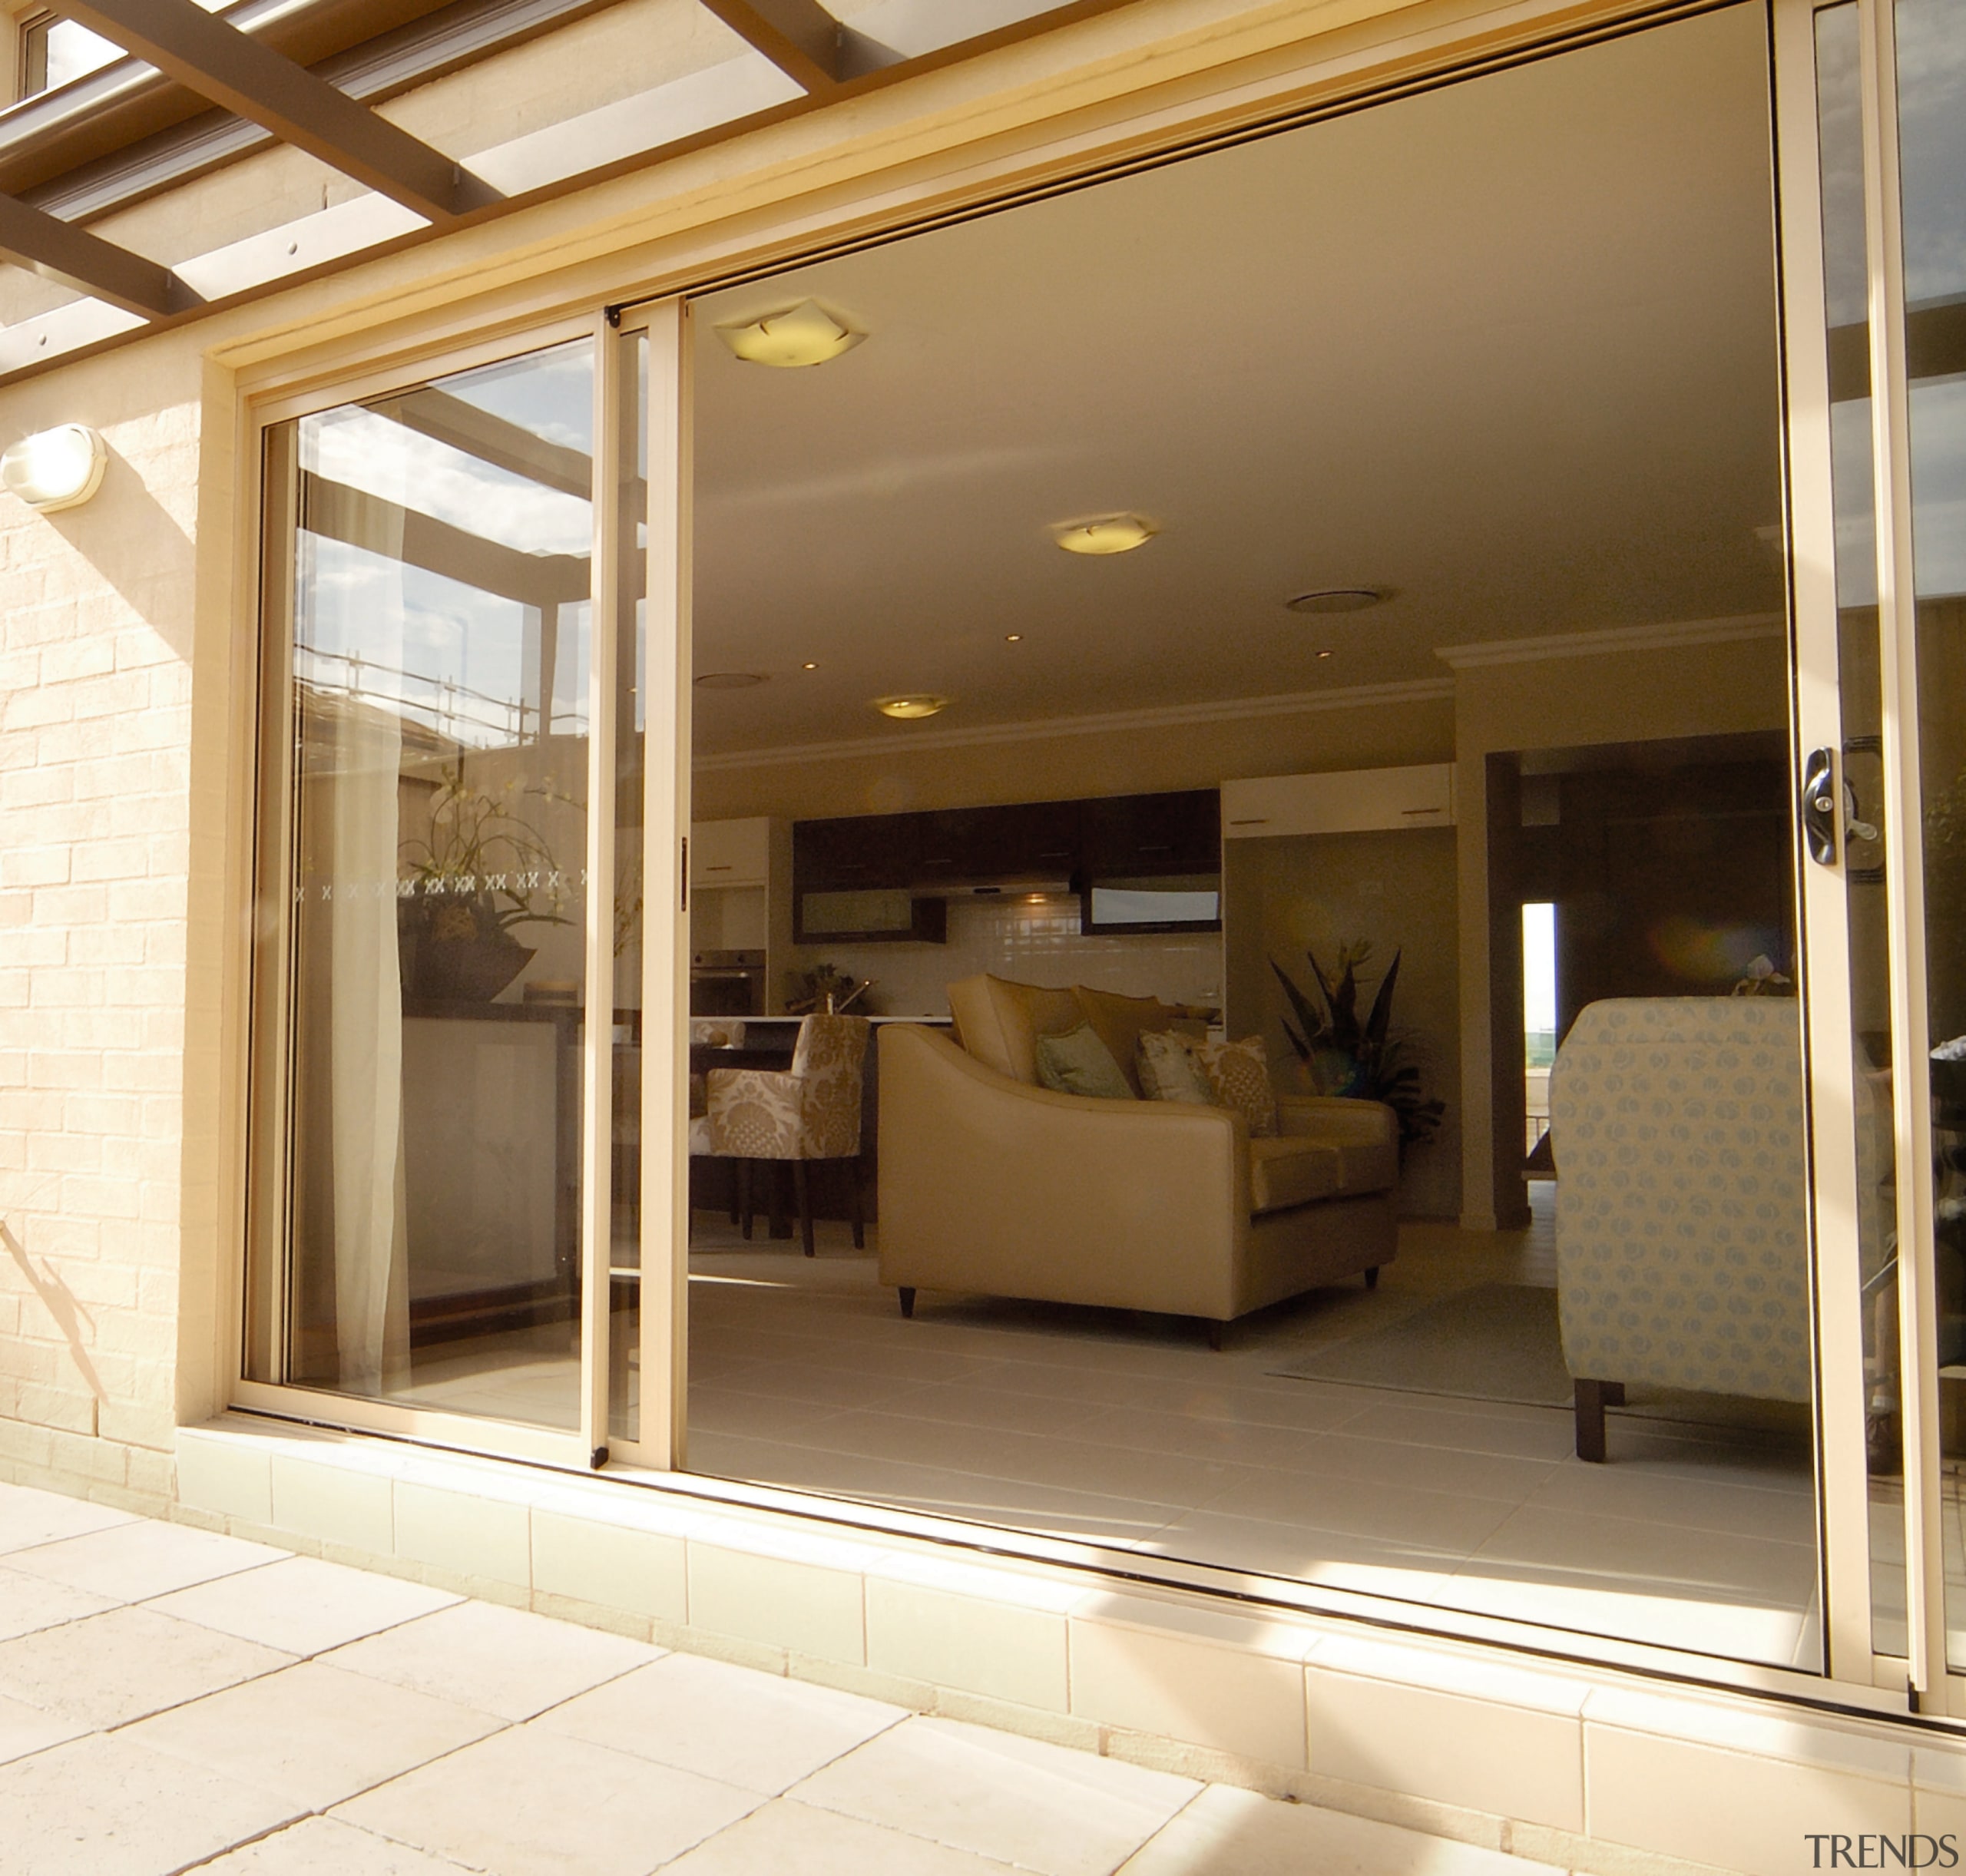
(781, 1220)
(744, 1178)
(1590, 1420)
(856, 1201)
(907, 1300)
(1372, 1277)
(802, 1190)
(736, 1185)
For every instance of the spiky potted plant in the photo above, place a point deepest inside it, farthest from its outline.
(1364, 1059)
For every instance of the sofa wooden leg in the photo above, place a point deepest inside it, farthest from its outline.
(802, 1190)
(908, 1299)
(1372, 1277)
(1590, 1420)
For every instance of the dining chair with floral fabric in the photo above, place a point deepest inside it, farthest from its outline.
(809, 1111)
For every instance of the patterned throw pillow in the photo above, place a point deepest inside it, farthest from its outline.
(1238, 1073)
(1078, 1063)
(1169, 1071)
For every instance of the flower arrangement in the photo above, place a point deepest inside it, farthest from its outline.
(1364, 1059)
(483, 868)
(484, 858)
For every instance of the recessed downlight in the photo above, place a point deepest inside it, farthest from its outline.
(911, 707)
(1105, 534)
(1324, 654)
(1340, 599)
(1013, 638)
(732, 680)
(805, 334)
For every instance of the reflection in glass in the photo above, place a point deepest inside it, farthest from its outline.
(1931, 100)
(1840, 144)
(440, 605)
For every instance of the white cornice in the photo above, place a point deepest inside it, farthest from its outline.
(906, 742)
(1616, 638)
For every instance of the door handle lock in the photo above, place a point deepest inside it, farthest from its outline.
(1819, 806)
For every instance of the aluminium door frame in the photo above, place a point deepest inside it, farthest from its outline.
(1843, 1554)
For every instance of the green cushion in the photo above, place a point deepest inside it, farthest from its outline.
(1078, 1063)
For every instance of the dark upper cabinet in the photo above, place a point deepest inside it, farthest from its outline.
(1028, 841)
(1145, 836)
(858, 852)
(1121, 837)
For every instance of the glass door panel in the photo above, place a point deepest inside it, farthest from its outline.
(1855, 771)
(630, 498)
(432, 696)
(1931, 43)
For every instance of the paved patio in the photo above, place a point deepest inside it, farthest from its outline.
(170, 1700)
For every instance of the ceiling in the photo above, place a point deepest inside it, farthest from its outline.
(1506, 347)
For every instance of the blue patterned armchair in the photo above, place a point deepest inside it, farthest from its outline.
(1682, 1235)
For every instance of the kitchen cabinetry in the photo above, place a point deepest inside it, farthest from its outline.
(878, 876)
(1151, 836)
(730, 853)
(740, 894)
(1353, 801)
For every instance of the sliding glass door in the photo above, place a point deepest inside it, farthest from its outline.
(1877, 290)
(451, 905)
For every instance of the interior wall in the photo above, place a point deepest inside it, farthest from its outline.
(1395, 890)
(1722, 686)
(1122, 757)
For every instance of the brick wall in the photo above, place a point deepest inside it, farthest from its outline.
(97, 611)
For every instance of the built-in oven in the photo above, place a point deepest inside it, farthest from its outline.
(727, 983)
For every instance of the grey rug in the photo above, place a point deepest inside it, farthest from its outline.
(1497, 1342)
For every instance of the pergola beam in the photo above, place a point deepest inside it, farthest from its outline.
(799, 37)
(58, 250)
(213, 57)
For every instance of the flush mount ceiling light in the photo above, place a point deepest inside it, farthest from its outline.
(54, 469)
(805, 334)
(909, 708)
(1107, 534)
(1340, 599)
(732, 680)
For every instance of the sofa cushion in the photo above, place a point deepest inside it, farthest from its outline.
(1121, 1021)
(1239, 1074)
(1287, 1171)
(1167, 1071)
(999, 1022)
(1370, 1166)
(1078, 1063)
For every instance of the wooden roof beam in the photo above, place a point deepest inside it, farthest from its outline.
(799, 37)
(60, 251)
(212, 57)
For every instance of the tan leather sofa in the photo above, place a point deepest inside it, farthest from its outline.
(992, 1184)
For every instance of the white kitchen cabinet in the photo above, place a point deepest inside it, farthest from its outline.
(730, 853)
(1351, 801)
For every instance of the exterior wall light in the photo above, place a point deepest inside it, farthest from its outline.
(58, 468)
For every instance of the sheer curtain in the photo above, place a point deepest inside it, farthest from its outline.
(372, 1283)
(354, 609)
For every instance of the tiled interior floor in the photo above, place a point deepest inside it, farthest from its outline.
(1130, 1432)
(172, 1700)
